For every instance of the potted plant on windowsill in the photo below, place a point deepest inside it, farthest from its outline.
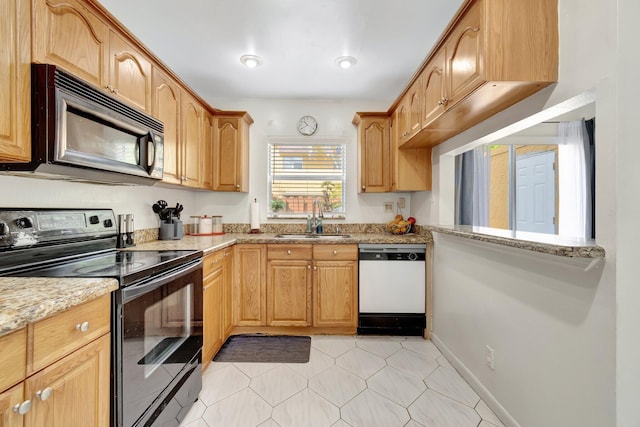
(277, 205)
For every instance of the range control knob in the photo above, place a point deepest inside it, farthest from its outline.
(413, 256)
(93, 219)
(24, 222)
(108, 223)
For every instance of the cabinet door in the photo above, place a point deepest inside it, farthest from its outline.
(227, 293)
(465, 55)
(249, 290)
(335, 293)
(374, 155)
(67, 34)
(433, 93)
(15, 81)
(9, 399)
(191, 141)
(227, 151)
(414, 109)
(166, 108)
(208, 129)
(130, 73)
(289, 293)
(76, 389)
(212, 313)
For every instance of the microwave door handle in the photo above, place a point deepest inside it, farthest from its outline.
(151, 152)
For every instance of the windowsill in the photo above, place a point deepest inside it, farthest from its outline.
(302, 217)
(537, 242)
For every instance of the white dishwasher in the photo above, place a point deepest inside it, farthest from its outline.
(392, 289)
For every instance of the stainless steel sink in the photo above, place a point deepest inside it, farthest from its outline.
(312, 236)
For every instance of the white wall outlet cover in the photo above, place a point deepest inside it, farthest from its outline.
(388, 206)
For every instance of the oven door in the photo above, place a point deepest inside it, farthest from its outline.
(157, 345)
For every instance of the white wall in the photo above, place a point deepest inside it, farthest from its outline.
(278, 118)
(553, 325)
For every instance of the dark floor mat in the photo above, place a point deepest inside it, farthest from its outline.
(265, 349)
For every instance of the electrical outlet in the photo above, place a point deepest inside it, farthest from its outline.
(488, 351)
(388, 207)
(402, 202)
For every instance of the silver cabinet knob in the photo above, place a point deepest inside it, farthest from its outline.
(238, 186)
(335, 252)
(83, 327)
(363, 188)
(309, 267)
(315, 267)
(288, 251)
(44, 394)
(22, 408)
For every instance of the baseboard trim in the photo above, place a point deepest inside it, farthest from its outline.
(475, 383)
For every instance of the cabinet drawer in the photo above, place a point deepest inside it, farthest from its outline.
(63, 333)
(295, 251)
(13, 358)
(335, 252)
(212, 262)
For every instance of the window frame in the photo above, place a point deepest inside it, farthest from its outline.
(306, 142)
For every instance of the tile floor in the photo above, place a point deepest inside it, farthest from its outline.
(349, 381)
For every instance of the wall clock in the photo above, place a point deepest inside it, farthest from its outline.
(307, 125)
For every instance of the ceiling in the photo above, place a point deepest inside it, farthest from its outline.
(298, 41)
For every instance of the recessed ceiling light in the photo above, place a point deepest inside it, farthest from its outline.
(345, 62)
(251, 61)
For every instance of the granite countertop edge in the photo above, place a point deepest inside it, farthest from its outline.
(25, 300)
(568, 248)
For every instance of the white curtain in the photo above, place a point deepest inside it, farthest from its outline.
(481, 184)
(572, 179)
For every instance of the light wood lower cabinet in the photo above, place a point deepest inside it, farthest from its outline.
(289, 285)
(227, 292)
(57, 372)
(306, 286)
(249, 290)
(335, 285)
(212, 285)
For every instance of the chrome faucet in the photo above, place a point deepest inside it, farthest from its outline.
(314, 219)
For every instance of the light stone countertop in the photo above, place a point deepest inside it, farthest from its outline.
(208, 244)
(537, 242)
(26, 300)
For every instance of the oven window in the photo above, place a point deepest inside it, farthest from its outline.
(160, 336)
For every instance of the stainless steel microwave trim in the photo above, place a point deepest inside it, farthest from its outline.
(56, 93)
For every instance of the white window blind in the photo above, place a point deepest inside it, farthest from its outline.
(302, 173)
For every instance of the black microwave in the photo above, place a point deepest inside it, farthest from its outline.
(81, 133)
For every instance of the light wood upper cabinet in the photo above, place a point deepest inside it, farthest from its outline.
(381, 166)
(208, 129)
(491, 56)
(231, 152)
(166, 108)
(289, 285)
(414, 111)
(373, 153)
(249, 287)
(433, 89)
(15, 81)
(130, 73)
(67, 34)
(192, 117)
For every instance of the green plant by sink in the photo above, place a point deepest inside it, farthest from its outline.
(277, 205)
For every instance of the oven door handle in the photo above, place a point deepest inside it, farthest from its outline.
(133, 292)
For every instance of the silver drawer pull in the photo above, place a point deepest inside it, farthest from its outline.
(83, 327)
(22, 408)
(44, 394)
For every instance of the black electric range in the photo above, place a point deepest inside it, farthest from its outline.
(156, 322)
